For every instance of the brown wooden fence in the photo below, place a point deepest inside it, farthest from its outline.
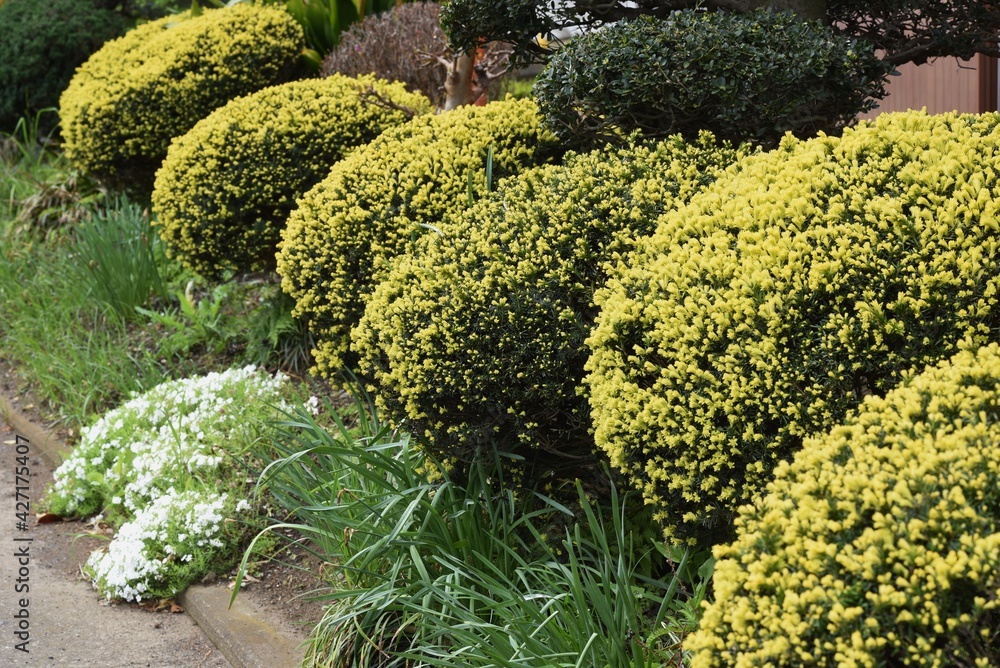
(945, 84)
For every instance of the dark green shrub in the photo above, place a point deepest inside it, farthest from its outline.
(475, 339)
(43, 42)
(338, 244)
(125, 104)
(879, 545)
(743, 77)
(227, 186)
(782, 295)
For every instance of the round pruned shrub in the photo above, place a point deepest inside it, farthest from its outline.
(782, 295)
(226, 188)
(879, 545)
(476, 338)
(125, 104)
(339, 242)
(43, 43)
(744, 77)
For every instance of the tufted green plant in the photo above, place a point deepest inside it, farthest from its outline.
(227, 186)
(815, 275)
(125, 104)
(338, 244)
(476, 338)
(879, 545)
(744, 77)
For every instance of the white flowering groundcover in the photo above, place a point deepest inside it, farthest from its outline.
(161, 469)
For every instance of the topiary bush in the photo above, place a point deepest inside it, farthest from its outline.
(762, 312)
(744, 77)
(338, 244)
(476, 338)
(125, 104)
(879, 545)
(227, 186)
(43, 43)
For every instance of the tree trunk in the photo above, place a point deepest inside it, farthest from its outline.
(458, 84)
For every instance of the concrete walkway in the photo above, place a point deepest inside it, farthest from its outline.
(49, 615)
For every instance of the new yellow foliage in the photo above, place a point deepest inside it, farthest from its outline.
(808, 278)
(339, 243)
(125, 104)
(475, 338)
(227, 186)
(879, 544)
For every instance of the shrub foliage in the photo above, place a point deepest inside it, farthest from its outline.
(817, 274)
(476, 338)
(43, 42)
(338, 244)
(227, 186)
(744, 77)
(125, 104)
(879, 545)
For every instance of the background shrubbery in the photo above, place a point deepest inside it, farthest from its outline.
(227, 186)
(125, 104)
(817, 274)
(880, 543)
(339, 243)
(475, 339)
(743, 77)
(43, 43)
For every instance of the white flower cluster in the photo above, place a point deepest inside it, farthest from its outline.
(166, 532)
(174, 427)
(134, 460)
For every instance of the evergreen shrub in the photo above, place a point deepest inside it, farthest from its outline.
(879, 545)
(227, 186)
(785, 293)
(744, 77)
(340, 240)
(125, 104)
(43, 43)
(476, 337)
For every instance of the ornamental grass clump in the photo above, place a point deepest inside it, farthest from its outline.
(339, 243)
(125, 104)
(161, 469)
(879, 544)
(781, 296)
(476, 338)
(227, 186)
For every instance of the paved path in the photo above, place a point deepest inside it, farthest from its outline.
(60, 616)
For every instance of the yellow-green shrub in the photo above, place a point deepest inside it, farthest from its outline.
(476, 337)
(338, 243)
(227, 186)
(782, 295)
(879, 545)
(125, 104)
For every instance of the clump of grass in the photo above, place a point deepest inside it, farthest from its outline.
(117, 258)
(431, 571)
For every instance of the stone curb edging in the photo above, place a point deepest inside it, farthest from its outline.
(246, 639)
